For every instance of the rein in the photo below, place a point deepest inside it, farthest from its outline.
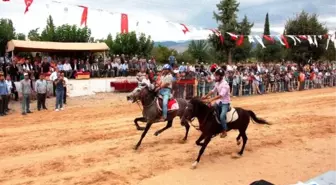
(204, 120)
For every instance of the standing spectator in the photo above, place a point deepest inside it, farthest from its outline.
(14, 72)
(236, 84)
(53, 77)
(3, 95)
(12, 88)
(59, 83)
(41, 90)
(172, 60)
(26, 91)
(65, 88)
(45, 65)
(37, 69)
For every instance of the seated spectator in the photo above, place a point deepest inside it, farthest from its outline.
(60, 66)
(124, 69)
(94, 70)
(67, 69)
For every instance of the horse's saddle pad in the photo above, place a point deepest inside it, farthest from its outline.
(172, 104)
(231, 115)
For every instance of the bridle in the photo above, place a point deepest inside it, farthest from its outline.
(202, 122)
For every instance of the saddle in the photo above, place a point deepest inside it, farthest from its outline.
(231, 114)
(172, 103)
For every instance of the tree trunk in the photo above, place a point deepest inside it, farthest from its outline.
(229, 56)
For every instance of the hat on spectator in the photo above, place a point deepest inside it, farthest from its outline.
(25, 74)
(1, 73)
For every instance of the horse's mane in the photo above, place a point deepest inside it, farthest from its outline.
(196, 101)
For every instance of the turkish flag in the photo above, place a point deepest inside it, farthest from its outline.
(185, 28)
(283, 38)
(84, 15)
(28, 3)
(124, 23)
(240, 41)
(233, 36)
(269, 38)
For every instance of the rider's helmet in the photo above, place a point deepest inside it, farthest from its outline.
(166, 67)
(220, 72)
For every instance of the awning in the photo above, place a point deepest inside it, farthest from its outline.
(37, 46)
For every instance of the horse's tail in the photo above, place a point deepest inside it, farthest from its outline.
(256, 119)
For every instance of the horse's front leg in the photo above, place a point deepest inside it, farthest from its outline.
(169, 124)
(205, 144)
(141, 119)
(148, 125)
(198, 142)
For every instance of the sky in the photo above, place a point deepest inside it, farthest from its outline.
(158, 18)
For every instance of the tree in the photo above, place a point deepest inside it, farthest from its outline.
(305, 24)
(272, 52)
(109, 42)
(185, 57)
(145, 45)
(129, 44)
(34, 35)
(7, 33)
(20, 36)
(198, 50)
(227, 20)
(48, 34)
(243, 52)
(162, 53)
(71, 33)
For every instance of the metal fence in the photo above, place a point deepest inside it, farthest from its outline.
(188, 90)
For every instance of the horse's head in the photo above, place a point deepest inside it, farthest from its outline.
(193, 109)
(140, 92)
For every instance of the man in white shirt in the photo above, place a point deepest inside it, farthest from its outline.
(115, 68)
(124, 68)
(67, 69)
(65, 87)
(53, 77)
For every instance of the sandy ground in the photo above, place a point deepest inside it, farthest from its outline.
(91, 142)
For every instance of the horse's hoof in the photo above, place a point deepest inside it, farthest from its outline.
(136, 147)
(156, 133)
(238, 143)
(194, 165)
(236, 155)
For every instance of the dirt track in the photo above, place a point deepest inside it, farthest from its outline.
(92, 144)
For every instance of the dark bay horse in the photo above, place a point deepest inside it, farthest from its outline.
(151, 112)
(209, 124)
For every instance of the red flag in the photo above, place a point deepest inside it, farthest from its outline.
(233, 36)
(185, 28)
(283, 38)
(28, 3)
(304, 37)
(5, 0)
(124, 23)
(269, 38)
(219, 34)
(84, 15)
(326, 36)
(241, 40)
